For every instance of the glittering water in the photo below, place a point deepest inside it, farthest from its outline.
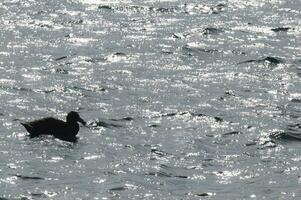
(184, 99)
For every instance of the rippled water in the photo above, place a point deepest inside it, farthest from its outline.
(184, 99)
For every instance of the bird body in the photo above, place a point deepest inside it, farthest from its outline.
(50, 126)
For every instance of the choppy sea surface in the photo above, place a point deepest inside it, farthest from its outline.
(183, 99)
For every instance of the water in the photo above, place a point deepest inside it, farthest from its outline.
(184, 99)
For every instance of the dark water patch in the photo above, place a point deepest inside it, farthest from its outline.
(284, 136)
(45, 91)
(16, 88)
(159, 174)
(189, 113)
(143, 9)
(60, 58)
(61, 71)
(180, 35)
(167, 171)
(268, 59)
(212, 31)
(298, 61)
(83, 91)
(232, 133)
(173, 171)
(73, 22)
(187, 8)
(21, 198)
(110, 173)
(76, 90)
(228, 94)
(28, 177)
(238, 52)
(217, 9)
(296, 100)
(250, 144)
(267, 143)
(204, 9)
(281, 29)
(105, 7)
(121, 188)
(167, 52)
(116, 55)
(291, 132)
(153, 126)
(292, 109)
(166, 175)
(123, 119)
(45, 26)
(68, 35)
(92, 89)
(157, 154)
(39, 195)
(296, 67)
(97, 124)
(95, 60)
(11, 3)
(22, 89)
(273, 60)
(197, 51)
(200, 194)
(119, 54)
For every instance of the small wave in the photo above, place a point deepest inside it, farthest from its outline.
(28, 177)
(138, 9)
(95, 60)
(232, 133)
(281, 29)
(153, 126)
(180, 35)
(118, 57)
(200, 194)
(118, 188)
(194, 51)
(269, 59)
(189, 113)
(105, 7)
(292, 108)
(165, 174)
(73, 22)
(97, 124)
(157, 154)
(61, 71)
(212, 31)
(125, 187)
(16, 88)
(123, 119)
(60, 58)
(291, 133)
(74, 90)
(168, 172)
(187, 8)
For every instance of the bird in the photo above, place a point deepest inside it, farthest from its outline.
(66, 131)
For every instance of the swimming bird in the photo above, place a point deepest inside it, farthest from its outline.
(59, 129)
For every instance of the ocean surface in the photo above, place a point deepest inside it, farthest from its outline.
(183, 99)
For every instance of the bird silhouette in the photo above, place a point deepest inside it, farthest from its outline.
(59, 129)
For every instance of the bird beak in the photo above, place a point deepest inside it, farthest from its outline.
(82, 121)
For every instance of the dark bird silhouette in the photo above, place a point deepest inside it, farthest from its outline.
(50, 126)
